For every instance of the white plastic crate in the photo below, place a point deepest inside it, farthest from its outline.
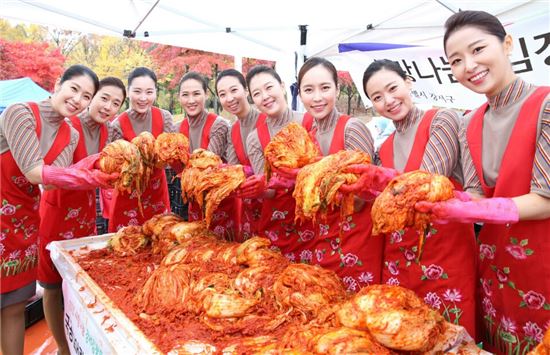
(93, 324)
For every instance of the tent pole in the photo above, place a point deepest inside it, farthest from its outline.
(299, 61)
(144, 17)
(238, 62)
(447, 6)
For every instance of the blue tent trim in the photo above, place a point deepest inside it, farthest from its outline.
(370, 46)
(20, 90)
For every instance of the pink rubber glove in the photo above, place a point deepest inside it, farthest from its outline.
(280, 183)
(77, 177)
(87, 163)
(373, 177)
(360, 188)
(496, 210)
(462, 196)
(248, 171)
(287, 173)
(253, 187)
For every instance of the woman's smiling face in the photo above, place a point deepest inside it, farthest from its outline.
(142, 93)
(479, 60)
(268, 94)
(192, 97)
(390, 94)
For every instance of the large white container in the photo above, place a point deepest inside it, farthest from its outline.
(93, 324)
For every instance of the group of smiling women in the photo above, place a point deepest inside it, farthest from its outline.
(496, 285)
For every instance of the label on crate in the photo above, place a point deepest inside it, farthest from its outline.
(82, 332)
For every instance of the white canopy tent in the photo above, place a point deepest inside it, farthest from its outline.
(265, 30)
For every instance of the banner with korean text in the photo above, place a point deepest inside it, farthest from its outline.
(434, 83)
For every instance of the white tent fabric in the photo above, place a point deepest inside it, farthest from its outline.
(259, 29)
(265, 30)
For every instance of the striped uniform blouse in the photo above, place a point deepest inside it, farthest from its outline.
(498, 124)
(91, 130)
(248, 124)
(218, 133)
(142, 122)
(356, 134)
(18, 135)
(274, 124)
(442, 152)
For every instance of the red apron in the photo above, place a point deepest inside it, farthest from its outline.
(155, 199)
(251, 208)
(106, 201)
(277, 219)
(513, 268)
(307, 121)
(20, 219)
(66, 214)
(445, 277)
(347, 247)
(226, 219)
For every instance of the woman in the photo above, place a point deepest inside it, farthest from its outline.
(232, 92)
(67, 214)
(505, 149)
(354, 255)
(427, 141)
(208, 131)
(277, 217)
(142, 116)
(35, 142)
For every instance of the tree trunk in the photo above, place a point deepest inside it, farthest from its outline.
(214, 96)
(171, 105)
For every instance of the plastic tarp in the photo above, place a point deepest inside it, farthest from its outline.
(20, 90)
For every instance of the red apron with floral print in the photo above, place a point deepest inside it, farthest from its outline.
(445, 276)
(226, 219)
(155, 199)
(513, 268)
(66, 214)
(277, 219)
(251, 208)
(105, 201)
(346, 246)
(19, 216)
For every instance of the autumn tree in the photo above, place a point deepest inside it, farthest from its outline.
(118, 57)
(22, 33)
(110, 56)
(347, 87)
(250, 62)
(86, 51)
(65, 40)
(171, 63)
(36, 60)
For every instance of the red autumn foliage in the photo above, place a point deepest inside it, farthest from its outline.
(344, 78)
(36, 60)
(250, 62)
(171, 63)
